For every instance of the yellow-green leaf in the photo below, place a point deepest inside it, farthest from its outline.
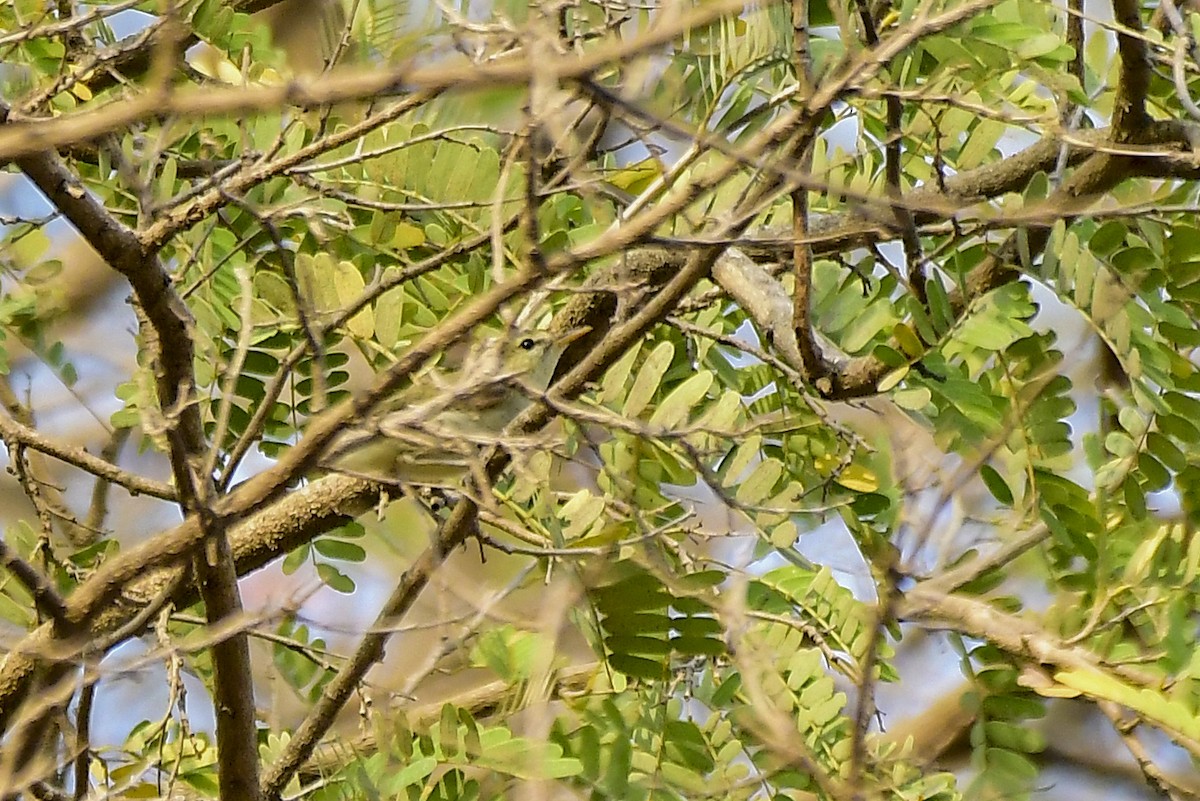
(760, 482)
(407, 236)
(745, 453)
(784, 535)
(893, 378)
(349, 284)
(635, 178)
(676, 407)
(389, 315)
(648, 379)
(858, 478)
(613, 383)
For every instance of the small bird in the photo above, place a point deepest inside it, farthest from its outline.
(431, 433)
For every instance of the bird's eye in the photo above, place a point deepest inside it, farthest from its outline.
(527, 344)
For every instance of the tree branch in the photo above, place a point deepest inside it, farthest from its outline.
(139, 575)
(12, 431)
(1129, 108)
(1028, 641)
(26, 137)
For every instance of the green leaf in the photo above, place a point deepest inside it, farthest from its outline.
(676, 407)
(638, 667)
(1157, 477)
(1118, 443)
(612, 386)
(415, 771)
(295, 559)
(1165, 451)
(1108, 238)
(746, 452)
(982, 140)
(648, 379)
(996, 484)
(941, 312)
(760, 483)
(340, 549)
(334, 578)
(634, 644)
(784, 535)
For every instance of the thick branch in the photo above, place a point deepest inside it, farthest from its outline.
(295, 520)
(114, 577)
(152, 286)
(459, 526)
(1129, 116)
(233, 679)
(167, 335)
(1028, 641)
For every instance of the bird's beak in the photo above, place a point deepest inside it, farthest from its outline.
(559, 348)
(570, 336)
